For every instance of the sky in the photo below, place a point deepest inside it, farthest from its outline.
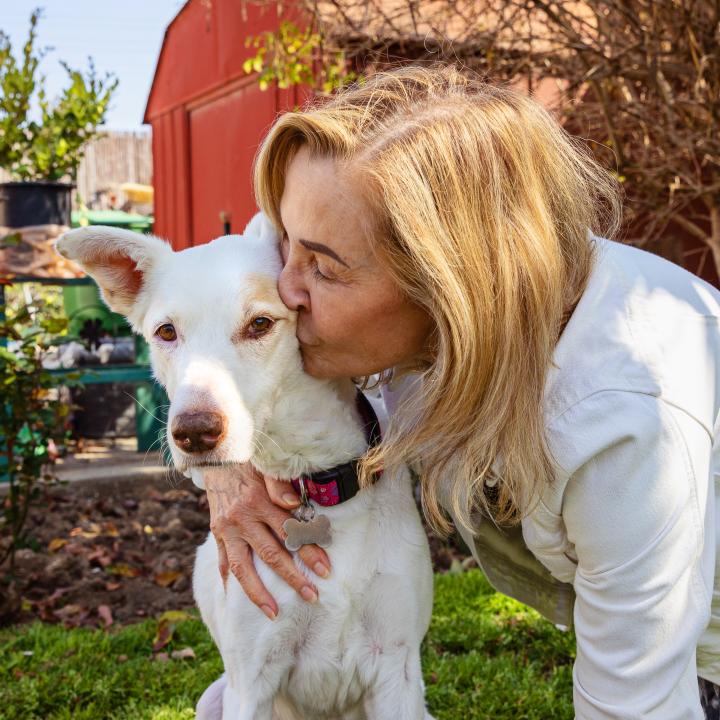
(122, 36)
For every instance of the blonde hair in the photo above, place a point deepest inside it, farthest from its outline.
(483, 204)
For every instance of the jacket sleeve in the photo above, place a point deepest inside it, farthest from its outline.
(635, 511)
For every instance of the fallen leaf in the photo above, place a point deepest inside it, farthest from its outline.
(163, 635)
(186, 653)
(111, 586)
(165, 579)
(93, 532)
(110, 529)
(166, 627)
(70, 612)
(175, 616)
(105, 615)
(122, 658)
(101, 555)
(56, 543)
(55, 595)
(123, 569)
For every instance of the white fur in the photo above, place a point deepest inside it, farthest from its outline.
(355, 653)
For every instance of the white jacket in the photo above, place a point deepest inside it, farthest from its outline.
(626, 535)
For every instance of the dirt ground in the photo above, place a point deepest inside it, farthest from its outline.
(101, 559)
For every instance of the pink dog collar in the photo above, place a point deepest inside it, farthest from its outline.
(338, 484)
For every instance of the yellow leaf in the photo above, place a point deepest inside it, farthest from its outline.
(174, 616)
(123, 569)
(165, 579)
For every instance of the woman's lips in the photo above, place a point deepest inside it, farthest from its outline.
(304, 338)
(305, 343)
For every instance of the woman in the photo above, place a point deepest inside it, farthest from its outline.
(558, 392)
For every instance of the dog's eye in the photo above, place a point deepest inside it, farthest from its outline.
(259, 326)
(166, 332)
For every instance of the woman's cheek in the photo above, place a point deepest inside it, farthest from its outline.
(333, 322)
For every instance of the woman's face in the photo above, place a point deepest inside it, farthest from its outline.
(352, 318)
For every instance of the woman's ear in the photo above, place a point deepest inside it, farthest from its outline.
(118, 260)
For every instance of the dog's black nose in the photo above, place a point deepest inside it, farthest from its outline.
(197, 432)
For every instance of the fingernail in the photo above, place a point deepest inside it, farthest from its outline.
(309, 594)
(290, 499)
(268, 611)
(321, 570)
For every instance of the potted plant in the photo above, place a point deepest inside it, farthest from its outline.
(42, 156)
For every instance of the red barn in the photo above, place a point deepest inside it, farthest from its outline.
(208, 118)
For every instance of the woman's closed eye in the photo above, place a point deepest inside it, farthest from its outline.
(319, 274)
(307, 258)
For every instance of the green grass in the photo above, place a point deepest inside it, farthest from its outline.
(486, 656)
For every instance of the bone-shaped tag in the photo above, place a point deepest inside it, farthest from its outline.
(307, 532)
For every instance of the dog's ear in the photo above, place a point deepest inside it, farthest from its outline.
(118, 260)
(260, 226)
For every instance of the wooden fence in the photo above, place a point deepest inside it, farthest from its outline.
(112, 159)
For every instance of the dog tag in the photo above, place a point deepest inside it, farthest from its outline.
(306, 528)
(307, 532)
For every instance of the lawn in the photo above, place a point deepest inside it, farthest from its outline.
(486, 656)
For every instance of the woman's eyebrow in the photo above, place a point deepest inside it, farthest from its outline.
(324, 249)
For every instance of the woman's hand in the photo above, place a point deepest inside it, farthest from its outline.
(247, 512)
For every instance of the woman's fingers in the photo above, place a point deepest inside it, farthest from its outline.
(283, 495)
(239, 532)
(312, 555)
(223, 562)
(242, 567)
(281, 492)
(247, 515)
(274, 554)
(316, 559)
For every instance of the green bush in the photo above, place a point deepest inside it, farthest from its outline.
(32, 414)
(52, 148)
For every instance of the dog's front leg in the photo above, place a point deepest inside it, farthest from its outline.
(255, 668)
(398, 692)
(239, 704)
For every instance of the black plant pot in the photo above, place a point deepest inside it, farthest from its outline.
(35, 203)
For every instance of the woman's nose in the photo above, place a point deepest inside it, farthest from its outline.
(292, 289)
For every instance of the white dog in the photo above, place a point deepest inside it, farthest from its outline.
(224, 346)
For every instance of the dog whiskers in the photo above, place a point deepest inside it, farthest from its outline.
(271, 439)
(142, 406)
